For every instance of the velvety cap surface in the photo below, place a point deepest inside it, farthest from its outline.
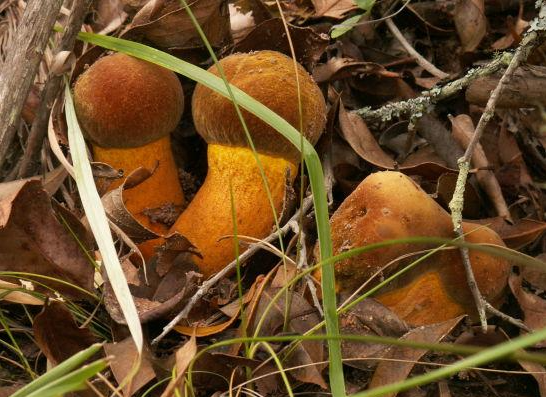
(268, 77)
(124, 102)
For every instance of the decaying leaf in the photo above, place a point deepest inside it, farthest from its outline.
(15, 293)
(271, 35)
(166, 24)
(124, 356)
(368, 317)
(302, 318)
(402, 359)
(333, 8)
(184, 355)
(532, 305)
(471, 23)
(58, 335)
(156, 295)
(517, 235)
(34, 241)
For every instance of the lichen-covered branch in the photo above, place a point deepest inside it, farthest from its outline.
(531, 37)
(424, 103)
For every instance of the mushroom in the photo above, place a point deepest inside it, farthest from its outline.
(389, 205)
(269, 77)
(127, 108)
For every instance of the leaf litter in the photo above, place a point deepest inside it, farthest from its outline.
(48, 257)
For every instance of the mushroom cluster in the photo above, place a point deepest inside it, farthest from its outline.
(389, 205)
(128, 107)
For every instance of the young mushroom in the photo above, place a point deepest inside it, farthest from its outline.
(389, 205)
(127, 108)
(269, 77)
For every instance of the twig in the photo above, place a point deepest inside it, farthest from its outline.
(51, 90)
(208, 284)
(538, 26)
(421, 61)
(423, 104)
(22, 59)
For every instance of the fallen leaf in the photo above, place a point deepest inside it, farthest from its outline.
(15, 293)
(333, 8)
(463, 131)
(404, 358)
(535, 276)
(518, 235)
(470, 22)
(533, 306)
(515, 30)
(184, 355)
(166, 24)
(355, 131)
(368, 317)
(33, 241)
(58, 335)
(124, 355)
(271, 35)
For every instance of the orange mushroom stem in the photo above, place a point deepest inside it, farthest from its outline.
(389, 205)
(268, 77)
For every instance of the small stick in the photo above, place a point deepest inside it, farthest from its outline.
(23, 57)
(423, 103)
(208, 284)
(421, 61)
(51, 90)
(538, 26)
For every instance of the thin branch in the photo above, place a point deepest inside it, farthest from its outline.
(538, 26)
(424, 103)
(23, 57)
(51, 90)
(208, 284)
(421, 61)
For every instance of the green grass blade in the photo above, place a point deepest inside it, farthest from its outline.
(312, 162)
(98, 222)
(59, 371)
(486, 356)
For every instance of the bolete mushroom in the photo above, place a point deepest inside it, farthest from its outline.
(127, 108)
(389, 205)
(269, 77)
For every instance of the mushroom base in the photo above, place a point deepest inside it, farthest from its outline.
(161, 190)
(208, 219)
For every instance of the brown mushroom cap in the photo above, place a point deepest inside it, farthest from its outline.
(124, 102)
(268, 77)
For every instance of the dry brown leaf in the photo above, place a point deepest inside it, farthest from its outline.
(355, 131)
(333, 8)
(368, 317)
(535, 370)
(533, 306)
(32, 240)
(388, 372)
(14, 293)
(271, 35)
(516, 236)
(58, 335)
(124, 354)
(471, 23)
(463, 130)
(109, 16)
(515, 30)
(184, 355)
(303, 317)
(166, 24)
